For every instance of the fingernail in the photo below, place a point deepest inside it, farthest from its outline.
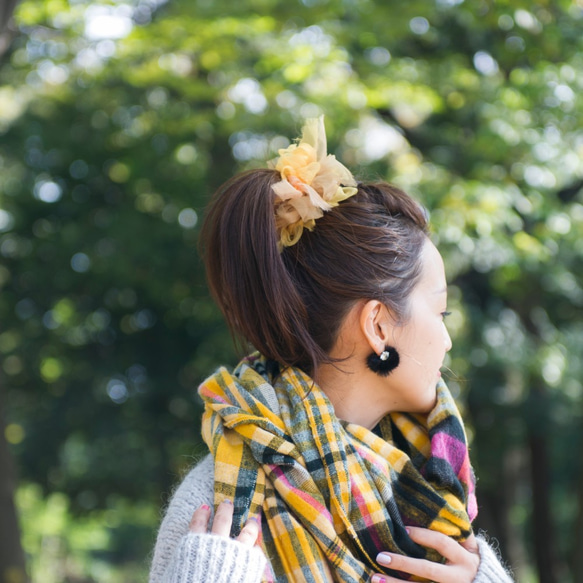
(408, 530)
(384, 559)
(254, 519)
(227, 501)
(378, 579)
(205, 507)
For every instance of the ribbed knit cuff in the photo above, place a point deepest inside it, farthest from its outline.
(207, 557)
(491, 569)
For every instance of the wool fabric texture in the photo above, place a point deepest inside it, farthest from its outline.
(330, 494)
(178, 555)
(216, 556)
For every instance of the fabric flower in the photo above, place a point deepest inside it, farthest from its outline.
(312, 182)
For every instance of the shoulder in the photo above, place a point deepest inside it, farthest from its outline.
(196, 486)
(195, 489)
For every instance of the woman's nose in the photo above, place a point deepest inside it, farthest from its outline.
(448, 343)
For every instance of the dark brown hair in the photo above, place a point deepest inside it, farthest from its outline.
(290, 305)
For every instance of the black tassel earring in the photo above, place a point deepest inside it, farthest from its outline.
(385, 362)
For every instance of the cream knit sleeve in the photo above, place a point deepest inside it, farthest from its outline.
(491, 569)
(183, 557)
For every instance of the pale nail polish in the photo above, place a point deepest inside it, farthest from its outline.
(378, 579)
(384, 559)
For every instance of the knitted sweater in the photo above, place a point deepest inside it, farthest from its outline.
(180, 557)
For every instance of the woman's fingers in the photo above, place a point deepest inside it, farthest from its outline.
(421, 567)
(471, 544)
(447, 547)
(250, 532)
(462, 561)
(200, 519)
(222, 523)
(223, 519)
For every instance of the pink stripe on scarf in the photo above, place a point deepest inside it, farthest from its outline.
(454, 452)
(280, 475)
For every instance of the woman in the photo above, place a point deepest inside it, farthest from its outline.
(337, 453)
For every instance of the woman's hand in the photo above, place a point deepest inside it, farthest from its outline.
(461, 559)
(222, 523)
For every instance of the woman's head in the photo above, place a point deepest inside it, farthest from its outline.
(290, 304)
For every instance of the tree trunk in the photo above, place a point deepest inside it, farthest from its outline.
(577, 542)
(6, 33)
(12, 565)
(544, 538)
(6, 9)
(515, 477)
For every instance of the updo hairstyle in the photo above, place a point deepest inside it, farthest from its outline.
(290, 305)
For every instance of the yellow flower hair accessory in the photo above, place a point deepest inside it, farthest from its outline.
(312, 182)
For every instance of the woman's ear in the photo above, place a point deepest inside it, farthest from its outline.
(376, 325)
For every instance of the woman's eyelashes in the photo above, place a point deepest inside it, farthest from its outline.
(445, 314)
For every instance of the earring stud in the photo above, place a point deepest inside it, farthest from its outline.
(384, 355)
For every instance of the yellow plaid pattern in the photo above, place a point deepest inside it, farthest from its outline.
(331, 495)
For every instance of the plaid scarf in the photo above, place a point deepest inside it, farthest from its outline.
(330, 494)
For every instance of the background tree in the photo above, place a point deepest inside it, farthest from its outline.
(119, 119)
(6, 30)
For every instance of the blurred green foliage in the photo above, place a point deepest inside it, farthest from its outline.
(119, 119)
(101, 545)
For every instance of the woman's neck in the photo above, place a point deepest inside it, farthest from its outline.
(351, 393)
